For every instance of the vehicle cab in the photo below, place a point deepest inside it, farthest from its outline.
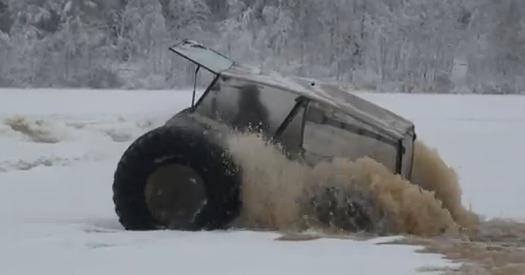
(312, 121)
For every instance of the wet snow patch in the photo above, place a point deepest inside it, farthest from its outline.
(52, 129)
(37, 130)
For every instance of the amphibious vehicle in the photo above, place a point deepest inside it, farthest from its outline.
(181, 175)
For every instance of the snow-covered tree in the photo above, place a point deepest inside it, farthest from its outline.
(391, 45)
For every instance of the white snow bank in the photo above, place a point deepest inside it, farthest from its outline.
(80, 249)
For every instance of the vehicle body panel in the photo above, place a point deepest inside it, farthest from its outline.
(307, 117)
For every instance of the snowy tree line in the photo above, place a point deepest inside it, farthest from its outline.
(468, 46)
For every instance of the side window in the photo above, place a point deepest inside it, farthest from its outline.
(328, 134)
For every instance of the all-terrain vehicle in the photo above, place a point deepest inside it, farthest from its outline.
(181, 176)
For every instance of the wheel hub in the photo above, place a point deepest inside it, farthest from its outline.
(175, 194)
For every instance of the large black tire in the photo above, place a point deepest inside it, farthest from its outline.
(165, 146)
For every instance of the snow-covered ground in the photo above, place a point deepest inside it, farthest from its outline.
(60, 148)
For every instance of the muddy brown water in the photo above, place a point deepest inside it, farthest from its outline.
(428, 210)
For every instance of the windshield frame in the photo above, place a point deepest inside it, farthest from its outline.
(202, 56)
